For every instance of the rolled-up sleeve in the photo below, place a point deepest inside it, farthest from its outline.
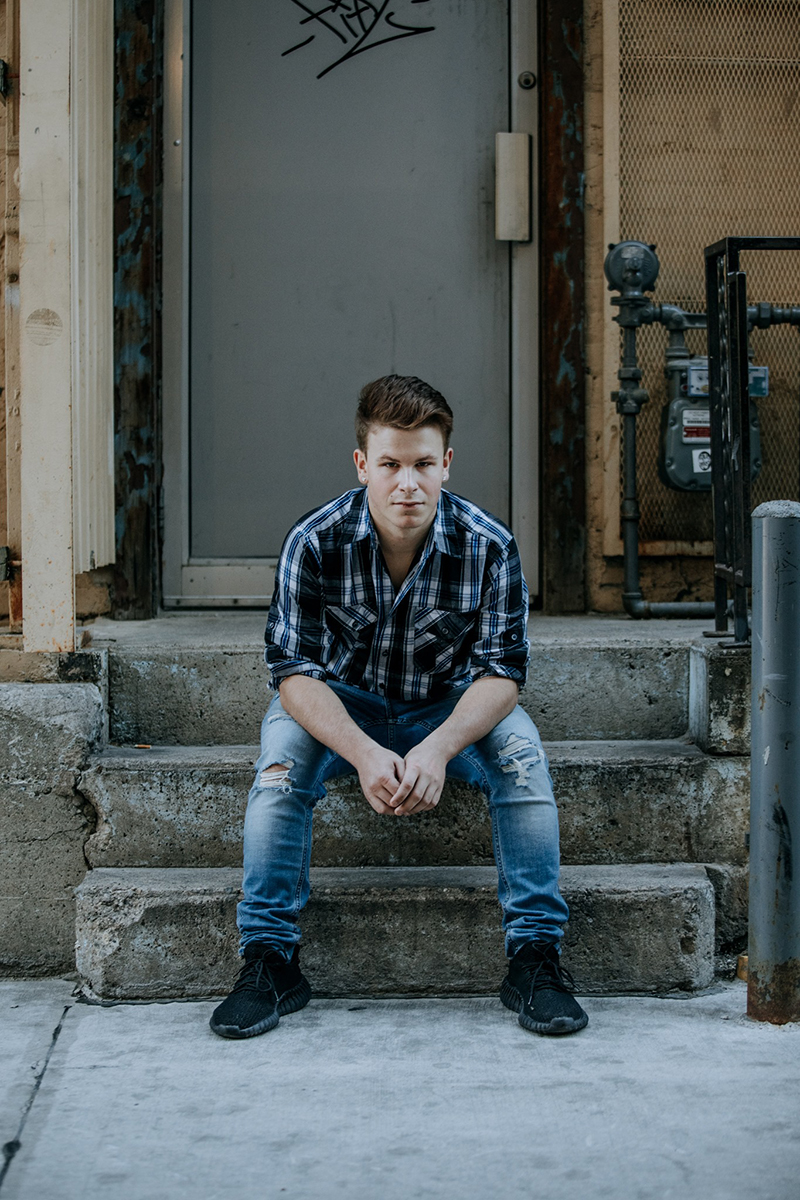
(501, 646)
(295, 633)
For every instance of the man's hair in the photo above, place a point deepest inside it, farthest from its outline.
(402, 402)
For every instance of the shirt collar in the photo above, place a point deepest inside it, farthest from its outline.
(442, 534)
(445, 535)
(357, 525)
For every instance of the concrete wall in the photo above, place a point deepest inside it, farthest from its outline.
(46, 734)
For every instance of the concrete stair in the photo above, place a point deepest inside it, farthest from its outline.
(652, 827)
(393, 930)
(618, 802)
(605, 680)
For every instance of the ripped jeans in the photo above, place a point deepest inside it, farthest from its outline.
(508, 765)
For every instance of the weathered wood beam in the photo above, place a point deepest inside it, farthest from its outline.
(137, 284)
(562, 308)
(13, 419)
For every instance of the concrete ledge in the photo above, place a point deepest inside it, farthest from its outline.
(152, 934)
(80, 666)
(719, 697)
(730, 885)
(176, 694)
(619, 802)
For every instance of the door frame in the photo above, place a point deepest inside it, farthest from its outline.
(191, 582)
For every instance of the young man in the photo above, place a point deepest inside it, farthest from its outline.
(397, 642)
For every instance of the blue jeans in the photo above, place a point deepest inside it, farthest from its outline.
(509, 765)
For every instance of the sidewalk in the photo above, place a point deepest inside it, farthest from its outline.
(378, 1100)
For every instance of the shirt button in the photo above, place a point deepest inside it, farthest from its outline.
(384, 653)
(514, 637)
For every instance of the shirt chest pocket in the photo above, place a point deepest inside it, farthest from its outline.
(439, 635)
(353, 624)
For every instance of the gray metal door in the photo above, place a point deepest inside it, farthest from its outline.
(340, 227)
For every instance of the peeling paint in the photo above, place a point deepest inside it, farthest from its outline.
(563, 359)
(137, 182)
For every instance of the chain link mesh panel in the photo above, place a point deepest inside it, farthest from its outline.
(709, 146)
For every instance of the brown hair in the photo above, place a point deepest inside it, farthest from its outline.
(402, 402)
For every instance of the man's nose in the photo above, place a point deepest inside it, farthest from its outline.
(408, 479)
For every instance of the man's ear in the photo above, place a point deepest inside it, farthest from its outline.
(360, 459)
(448, 458)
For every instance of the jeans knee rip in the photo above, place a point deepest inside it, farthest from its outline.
(279, 716)
(517, 757)
(276, 777)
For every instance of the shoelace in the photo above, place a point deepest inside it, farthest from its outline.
(555, 977)
(255, 976)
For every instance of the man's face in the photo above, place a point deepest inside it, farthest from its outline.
(404, 470)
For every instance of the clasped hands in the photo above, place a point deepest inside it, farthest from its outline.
(398, 787)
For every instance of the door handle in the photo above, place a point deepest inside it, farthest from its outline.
(512, 187)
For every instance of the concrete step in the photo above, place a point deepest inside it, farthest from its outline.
(155, 934)
(659, 801)
(196, 682)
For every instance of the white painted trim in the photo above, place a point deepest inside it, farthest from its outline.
(48, 576)
(243, 582)
(92, 238)
(175, 353)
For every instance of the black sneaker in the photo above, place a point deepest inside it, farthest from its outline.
(540, 990)
(267, 989)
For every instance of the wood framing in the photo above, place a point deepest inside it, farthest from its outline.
(562, 307)
(48, 579)
(91, 206)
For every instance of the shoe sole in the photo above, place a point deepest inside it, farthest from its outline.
(290, 1002)
(559, 1025)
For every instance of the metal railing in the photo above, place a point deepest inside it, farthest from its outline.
(631, 268)
(729, 323)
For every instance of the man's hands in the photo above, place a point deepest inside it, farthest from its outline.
(422, 781)
(391, 784)
(399, 787)
(379, 773)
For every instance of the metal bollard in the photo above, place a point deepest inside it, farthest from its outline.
(773, 988)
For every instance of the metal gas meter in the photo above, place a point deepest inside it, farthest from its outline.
(684, 461)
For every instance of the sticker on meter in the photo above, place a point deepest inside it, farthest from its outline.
(701, 461)
(697, 378)
(696, 426)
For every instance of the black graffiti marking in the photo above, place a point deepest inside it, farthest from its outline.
(361, 39)
(299, 46)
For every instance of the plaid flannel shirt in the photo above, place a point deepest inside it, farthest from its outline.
(461, 612)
